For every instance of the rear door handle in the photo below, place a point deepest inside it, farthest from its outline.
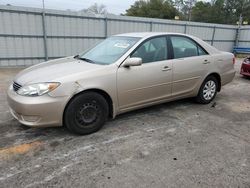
(206, 62)
(166, 68)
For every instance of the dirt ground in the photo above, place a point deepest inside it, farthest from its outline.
(177, 144)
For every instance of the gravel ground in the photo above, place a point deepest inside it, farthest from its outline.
(177, 144)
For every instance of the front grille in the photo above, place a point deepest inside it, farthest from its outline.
(16, 86)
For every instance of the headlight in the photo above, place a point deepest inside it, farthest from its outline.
(37, 89)
(246, 61)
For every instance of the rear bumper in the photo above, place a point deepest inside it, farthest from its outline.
(42, 111)
(245, 69)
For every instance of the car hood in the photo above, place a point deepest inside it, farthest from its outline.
(53, 70)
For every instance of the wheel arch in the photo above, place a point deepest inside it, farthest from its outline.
(99, 91)
(218, 77)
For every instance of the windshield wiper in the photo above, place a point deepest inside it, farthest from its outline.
(84, 59)
(76, 56)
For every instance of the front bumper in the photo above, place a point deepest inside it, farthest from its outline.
(42, 111)
(245, 69)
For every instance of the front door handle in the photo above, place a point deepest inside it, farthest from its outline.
(206, 62)
(166, 68)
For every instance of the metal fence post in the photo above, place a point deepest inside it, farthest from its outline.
(237, 37)
(151, 26)
(185, 28)
(106, 27)
(213, 35)
(44, 36)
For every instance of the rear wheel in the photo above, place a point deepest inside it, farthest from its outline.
(208, 90)
(86, 113)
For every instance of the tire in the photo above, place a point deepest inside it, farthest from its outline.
(246, 77)
(210, 85)
(86, 113)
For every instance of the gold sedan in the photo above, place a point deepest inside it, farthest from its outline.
(122, 73)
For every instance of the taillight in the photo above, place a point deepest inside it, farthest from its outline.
(234, 60)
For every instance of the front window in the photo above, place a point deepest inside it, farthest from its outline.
(109, 50)
(152, 50)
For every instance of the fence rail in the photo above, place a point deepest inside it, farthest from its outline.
(29, 35)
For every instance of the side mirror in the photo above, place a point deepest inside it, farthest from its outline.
(132, 61)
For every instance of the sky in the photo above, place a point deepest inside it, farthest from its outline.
(113, 6)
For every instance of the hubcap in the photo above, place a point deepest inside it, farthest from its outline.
(209, 90)
(87, 114)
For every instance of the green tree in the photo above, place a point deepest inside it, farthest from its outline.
(221, 11)
(246, 11)
(153, 9)
(217, 12)
(209, 12)
(236, 8)
(201, 12)
(185, 8)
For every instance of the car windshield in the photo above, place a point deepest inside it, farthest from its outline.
(109, 50)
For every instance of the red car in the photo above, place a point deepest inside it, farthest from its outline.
(245, 67)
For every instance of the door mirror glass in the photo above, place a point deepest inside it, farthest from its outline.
(133, 61)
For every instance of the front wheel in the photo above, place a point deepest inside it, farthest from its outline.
(208, 90)
(86, 113)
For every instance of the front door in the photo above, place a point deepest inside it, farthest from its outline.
(149, 82)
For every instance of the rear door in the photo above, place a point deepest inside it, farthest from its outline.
(190, 64)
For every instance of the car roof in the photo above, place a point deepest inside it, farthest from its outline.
(144, 35)
(148, 34)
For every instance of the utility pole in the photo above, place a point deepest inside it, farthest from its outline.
(238, 31)
(189, 10)
(190, 4)
(239, 26)
(44, 33)
(240, 21)
(43, 6)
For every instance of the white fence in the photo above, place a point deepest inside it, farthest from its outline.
(29, 36)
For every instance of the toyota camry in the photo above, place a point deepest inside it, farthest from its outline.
(122, 73)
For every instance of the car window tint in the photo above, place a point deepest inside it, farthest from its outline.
(152, 50)
(185, 47)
